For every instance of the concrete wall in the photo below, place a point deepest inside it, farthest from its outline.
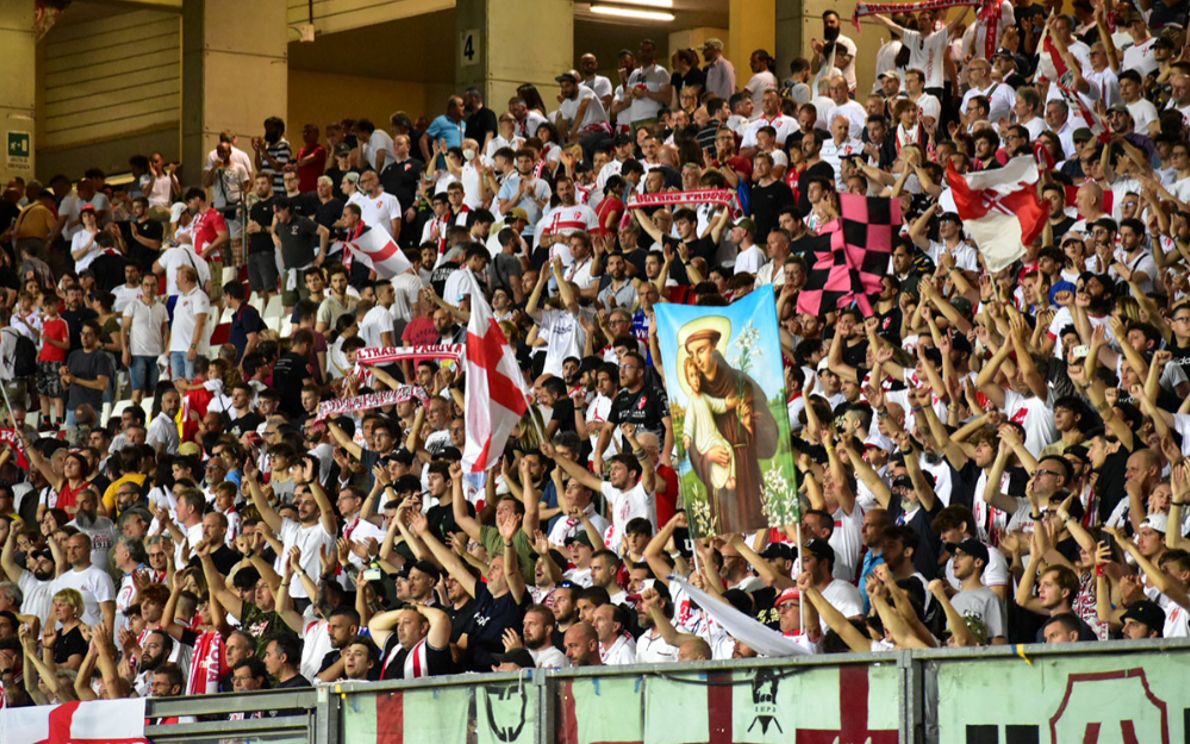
(321, 97)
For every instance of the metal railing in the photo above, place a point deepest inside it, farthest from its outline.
(994, 694)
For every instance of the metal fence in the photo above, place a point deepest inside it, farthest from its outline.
(1114, 691)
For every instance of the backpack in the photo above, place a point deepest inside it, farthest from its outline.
(24, 357)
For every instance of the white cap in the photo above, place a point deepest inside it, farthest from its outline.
(1157, 522)
(930, 108)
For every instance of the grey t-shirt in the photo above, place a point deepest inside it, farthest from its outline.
(88, 366)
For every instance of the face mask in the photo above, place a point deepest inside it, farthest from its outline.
(468, 155)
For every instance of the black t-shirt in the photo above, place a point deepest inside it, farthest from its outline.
(295, 681)
(329, 213)
(645, 408)
(244, 424)
(69, 644)
(459, 619)
(401, 180)
(493, 615)
(262, 214)
(137, 253)
(74, 321)
(818, 170)
(479, 124)
(289, 375)
(441, 519)
(564, 414)
(298, 237)
(767, 203)
(702, 247)
(925, 558)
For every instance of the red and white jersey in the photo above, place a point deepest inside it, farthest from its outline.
(785, 126)
(563, 220)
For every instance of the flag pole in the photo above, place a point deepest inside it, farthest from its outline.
(801, 601)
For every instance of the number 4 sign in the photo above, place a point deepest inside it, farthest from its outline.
(469, 48)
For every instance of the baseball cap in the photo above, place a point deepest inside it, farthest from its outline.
(1118, 108)
(902, 481)
(87, 208)
(713, 43)
(1156, 522)
(570, 75)
(789, 595)
(1082, 134)
(189, 449)
(342, 149)
(880, 442)
(579, 537)
(746, 224)
(889, 74)
(821, 550)
(974, 548)
(777, 550)
(950, 217)
(1147, 612)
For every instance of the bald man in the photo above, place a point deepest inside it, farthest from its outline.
(581, 644)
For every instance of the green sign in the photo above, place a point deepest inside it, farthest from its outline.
(20, 150)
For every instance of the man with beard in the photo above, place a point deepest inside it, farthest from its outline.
(538, 633)
(340, 629)
(651, 646)
(101, 530)
(273, 152)
(35, 582)
(255, 606)
(154, 650)
(565, 611)
(416, 642)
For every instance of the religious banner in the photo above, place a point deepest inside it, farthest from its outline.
(726, 386)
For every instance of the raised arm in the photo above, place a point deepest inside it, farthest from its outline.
(444, 555)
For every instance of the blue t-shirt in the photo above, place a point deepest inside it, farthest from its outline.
(442, 128)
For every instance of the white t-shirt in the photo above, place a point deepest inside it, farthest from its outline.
(626, 506)
(380, 210)
(95, 586)
(651, 648)
(145, 337)
(652, 78)
(80, 239)
(847, 542)
(927, 54)
(1001, 98)
(172, 259)
(379, 141)
(310, 539)
(125, 295)
(758, 84)
(1143, 113)
(186, 311)
(595, 113)
(750, 259)
(845, 598)
(376, 321)
(784, 125)
(1140, 57)
(1035, 415)
(855, 113)
(983, 604)
(38, 596)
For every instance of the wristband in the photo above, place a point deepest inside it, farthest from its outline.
(1099, 569)
(1035, 517)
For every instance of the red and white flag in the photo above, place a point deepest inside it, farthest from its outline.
(496, 395)
(377, 250)
(94, 722)
(1000, 209)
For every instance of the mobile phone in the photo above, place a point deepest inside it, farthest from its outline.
(1081, 351)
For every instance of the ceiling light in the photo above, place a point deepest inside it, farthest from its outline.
(642, 15)
(650, 3)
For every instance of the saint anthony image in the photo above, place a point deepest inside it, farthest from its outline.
(728, 427)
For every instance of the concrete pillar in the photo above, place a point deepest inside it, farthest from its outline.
(18, 55)
(694, 38)
(235, 73)
(799, 22)
(504, 43)
(751, 27)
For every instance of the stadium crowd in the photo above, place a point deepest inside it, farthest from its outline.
(988, 458)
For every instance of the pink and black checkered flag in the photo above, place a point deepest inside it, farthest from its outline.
(853, 255)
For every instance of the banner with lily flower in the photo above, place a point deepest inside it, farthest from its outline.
(726, 385)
